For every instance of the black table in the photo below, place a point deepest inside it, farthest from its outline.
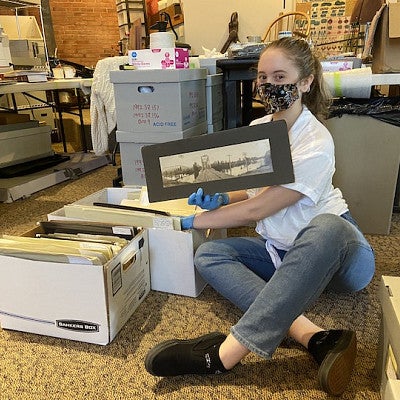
(238, 77)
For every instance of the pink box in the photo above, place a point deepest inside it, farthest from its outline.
(165, 58)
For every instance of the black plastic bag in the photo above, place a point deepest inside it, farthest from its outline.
(386, 109)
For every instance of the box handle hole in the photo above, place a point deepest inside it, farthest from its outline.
(146, 89)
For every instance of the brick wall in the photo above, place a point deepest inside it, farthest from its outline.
(85, 30)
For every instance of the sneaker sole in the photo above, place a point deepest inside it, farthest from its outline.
(148, 362)
(335, 371)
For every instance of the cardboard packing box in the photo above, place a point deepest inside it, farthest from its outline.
(386, 44)
(388, 360)
(170, 251)
(13, 118)
(88, 303)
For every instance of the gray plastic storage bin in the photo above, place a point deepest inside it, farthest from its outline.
(131, 145)
(159, 100)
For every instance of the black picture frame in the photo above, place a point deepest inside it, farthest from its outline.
(166, 179)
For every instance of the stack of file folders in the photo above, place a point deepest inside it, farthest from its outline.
(74, 242)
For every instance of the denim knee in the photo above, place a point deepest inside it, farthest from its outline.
(331, 226)
(355, 255)
(203, 254)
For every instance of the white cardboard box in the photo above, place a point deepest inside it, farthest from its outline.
(171, 260)
(72, 301)
(392, 391)
(388, 360)
(170, 252)
(159, 101)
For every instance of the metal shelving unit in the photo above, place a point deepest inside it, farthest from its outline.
(22, 4)
(128, 11)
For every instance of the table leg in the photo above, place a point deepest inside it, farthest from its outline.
(60, 120)
(232, 105)
(247, 101)
(83, 134)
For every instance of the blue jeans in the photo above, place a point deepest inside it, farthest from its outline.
(330, 253)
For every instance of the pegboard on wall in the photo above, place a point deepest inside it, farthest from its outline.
(331, 30)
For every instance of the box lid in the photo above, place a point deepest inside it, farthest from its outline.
(214, 79)
(157, 75)
(14, 134)
(158, 137)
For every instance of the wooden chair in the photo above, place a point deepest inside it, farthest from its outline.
(299, 23)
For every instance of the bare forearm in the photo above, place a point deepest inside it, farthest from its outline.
(238, 195)
(240, 213)
(224, 217)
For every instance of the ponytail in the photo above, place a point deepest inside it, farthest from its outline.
(318, 99)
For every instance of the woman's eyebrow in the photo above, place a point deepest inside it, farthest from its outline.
(279, 71)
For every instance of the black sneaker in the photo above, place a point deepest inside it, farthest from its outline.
(335, 352)
(181, 357)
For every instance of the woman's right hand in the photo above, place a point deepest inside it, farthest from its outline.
(208, 202)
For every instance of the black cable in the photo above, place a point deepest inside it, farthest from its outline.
(168, 17)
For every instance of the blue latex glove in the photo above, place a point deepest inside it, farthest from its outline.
(187, 222)
(208, 202)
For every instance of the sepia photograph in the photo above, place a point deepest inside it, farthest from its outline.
(239, 158)
(217, 163)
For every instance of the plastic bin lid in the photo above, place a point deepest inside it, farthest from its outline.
(158, 75)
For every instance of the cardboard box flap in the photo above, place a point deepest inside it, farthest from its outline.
(392, 391)
(390, 301)
(392, 287)
(394, 20)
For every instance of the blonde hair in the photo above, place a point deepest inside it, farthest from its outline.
(318, 99)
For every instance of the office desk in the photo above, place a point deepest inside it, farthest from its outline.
(54, 86)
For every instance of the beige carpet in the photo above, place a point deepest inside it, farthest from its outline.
(37, 367)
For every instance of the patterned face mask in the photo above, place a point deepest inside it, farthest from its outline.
(277, 97)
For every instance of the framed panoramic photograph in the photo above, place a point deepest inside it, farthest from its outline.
(234, 159)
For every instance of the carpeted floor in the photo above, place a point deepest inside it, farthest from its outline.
(38, 367)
